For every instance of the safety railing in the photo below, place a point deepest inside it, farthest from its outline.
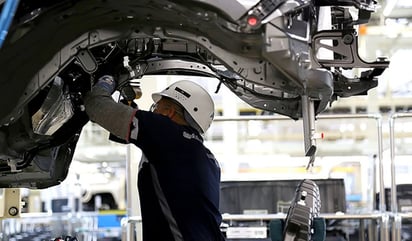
(376, 117)
(382, 216)
(390, 222)
(397, 217)
(130, 223)
(48, 226)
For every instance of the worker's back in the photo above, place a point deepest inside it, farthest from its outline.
(188, 176)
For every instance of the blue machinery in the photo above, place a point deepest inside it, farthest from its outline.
(6, 17)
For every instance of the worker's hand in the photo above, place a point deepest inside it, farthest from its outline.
(107, 83)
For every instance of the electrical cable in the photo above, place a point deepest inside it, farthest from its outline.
(6, 17)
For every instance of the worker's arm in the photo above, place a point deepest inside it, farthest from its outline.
(102, 109)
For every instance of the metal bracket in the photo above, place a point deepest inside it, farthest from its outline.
(345, 45)
(10, 203)
(309, 134)
(160, 66)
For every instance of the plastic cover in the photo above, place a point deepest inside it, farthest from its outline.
(56, 110)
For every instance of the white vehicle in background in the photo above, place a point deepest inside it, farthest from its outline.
(103, 187)
(88, 187)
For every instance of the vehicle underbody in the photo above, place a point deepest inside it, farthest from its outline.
(270, 54)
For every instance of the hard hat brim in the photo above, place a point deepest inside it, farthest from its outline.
(157, 96)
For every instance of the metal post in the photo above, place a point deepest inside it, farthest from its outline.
(397, 226)
(308, 117)
(394, 206)
(361, 230)
(382, 205)
(384, 232)
(133, 156)
(373, 227)
(126, 235)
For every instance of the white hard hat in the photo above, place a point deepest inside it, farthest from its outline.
(194, 99)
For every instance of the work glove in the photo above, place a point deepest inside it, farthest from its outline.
(115, 68)
(103, 110)
(107, 83)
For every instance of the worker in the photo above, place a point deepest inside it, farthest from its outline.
(178, 178)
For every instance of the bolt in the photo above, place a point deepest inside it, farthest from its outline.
(13, 211)
(347, 39)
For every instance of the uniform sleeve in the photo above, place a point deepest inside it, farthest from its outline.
(114, 117)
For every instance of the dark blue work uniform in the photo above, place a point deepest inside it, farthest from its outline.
(188, 176)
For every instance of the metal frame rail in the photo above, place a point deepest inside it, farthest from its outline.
(331, 216)
(397, 217)
(132, 221)
(129, 223)
(83, 225)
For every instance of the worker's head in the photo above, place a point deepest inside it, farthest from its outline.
(189, 100)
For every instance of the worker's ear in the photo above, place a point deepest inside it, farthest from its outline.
(171, 112)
